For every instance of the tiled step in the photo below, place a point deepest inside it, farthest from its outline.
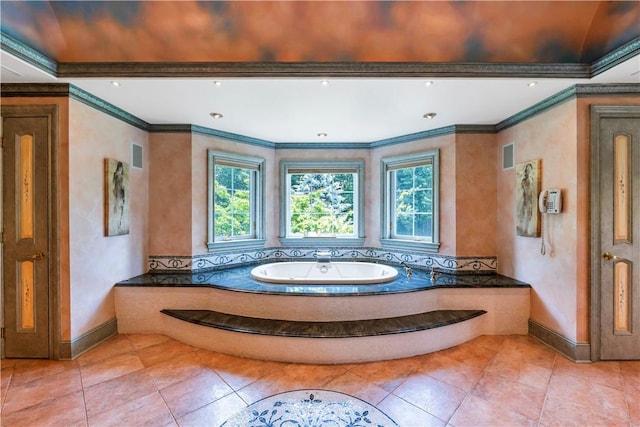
(337, 329)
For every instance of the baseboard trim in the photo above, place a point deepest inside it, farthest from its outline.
(85, 342)
(578, 352)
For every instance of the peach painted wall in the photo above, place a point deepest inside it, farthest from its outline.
(170, 189)
(97, 262)
(62, 164)
(560, 137)
(462, 198)
(552, 137)
(475, 195)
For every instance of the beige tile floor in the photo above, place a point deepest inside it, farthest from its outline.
(152, 380)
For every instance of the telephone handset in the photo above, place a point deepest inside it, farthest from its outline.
(550, 201)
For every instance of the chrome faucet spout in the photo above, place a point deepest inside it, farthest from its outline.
(323, 256)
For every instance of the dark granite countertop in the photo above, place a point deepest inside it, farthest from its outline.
(239, 279)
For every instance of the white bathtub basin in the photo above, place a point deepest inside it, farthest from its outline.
(324, 273)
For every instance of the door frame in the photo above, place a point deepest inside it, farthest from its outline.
(599, 112)
(52, 116)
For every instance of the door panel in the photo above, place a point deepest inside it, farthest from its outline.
(26, 242)
(619, 237)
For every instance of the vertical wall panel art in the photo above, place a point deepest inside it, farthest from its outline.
(527, 188)
(116, 197)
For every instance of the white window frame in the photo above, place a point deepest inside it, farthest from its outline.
(257, 166)
(300, 166)
(388, 165)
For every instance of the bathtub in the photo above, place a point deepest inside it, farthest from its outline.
(325, 273)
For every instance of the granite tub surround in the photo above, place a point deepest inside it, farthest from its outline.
(239, 279)
(232, 292)
(206, 262)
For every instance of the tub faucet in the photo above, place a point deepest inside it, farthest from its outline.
(323, 256)
(407, 269)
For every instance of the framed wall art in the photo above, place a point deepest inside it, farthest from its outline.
(117, 197)
(527, 189)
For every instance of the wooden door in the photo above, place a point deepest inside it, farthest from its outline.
(25, 210)
(616, 249)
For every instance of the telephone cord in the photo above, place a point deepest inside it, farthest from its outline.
(543, 249)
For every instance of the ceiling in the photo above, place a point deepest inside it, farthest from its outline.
(291, 70)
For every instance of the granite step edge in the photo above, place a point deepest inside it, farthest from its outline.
(335, 329)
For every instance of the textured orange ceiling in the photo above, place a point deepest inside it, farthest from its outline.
(323, 31)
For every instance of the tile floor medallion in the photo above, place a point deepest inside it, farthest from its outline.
(310, 408)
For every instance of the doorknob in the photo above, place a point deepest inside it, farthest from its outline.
(608, 256)
(34, 257)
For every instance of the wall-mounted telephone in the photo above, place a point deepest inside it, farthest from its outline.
(550, 201)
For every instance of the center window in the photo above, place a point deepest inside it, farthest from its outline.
(322, 200)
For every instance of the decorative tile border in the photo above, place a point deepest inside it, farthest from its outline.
(440, 263)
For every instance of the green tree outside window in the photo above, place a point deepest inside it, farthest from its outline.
(322, 204)
(413, 201)
(232, 206)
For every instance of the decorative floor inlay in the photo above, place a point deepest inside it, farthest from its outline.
(334, 329)
(310, 408)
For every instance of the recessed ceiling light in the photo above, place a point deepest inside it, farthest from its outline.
(216, 115)
(429, 115)
(322, 135)
(115, 83)
(324, 82)
(217, 83)
(428, 83)
(532, 84)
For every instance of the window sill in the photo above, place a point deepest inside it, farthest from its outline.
(236, 244)
(410, 245)
(321, 241)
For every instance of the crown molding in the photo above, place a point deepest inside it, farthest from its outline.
(65, 89)
(188, 128)
(432, 133)
(73, 92)
(320, 69)
(575, 91)
(311, 145)
(615, 89)
(475, 129)
(107, 108)
(35, 89)
(31, 56)
(610, 60)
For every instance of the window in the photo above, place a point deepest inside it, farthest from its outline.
(322, 201)
(235, 201)
(410, 201)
